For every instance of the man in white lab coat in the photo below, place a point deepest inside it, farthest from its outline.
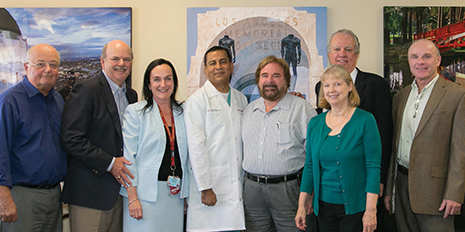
(213, 123)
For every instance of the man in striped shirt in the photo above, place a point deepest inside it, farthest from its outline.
(274, 129)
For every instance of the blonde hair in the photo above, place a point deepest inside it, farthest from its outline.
(340, 73)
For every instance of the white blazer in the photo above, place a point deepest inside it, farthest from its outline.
(215, 154)
(144, 141)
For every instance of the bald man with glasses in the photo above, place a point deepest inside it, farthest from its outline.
(32, 163)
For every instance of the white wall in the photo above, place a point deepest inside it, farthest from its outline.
(159, 27)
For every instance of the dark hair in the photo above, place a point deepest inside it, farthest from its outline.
(148, 94)
(216, 48)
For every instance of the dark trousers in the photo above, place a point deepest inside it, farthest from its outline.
(459, 221)
(312, 223)
(332, 218)
(386, 222)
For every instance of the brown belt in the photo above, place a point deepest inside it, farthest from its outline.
(402, 169)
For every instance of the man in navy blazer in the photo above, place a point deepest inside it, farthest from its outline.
(375, 97)
(91, 134)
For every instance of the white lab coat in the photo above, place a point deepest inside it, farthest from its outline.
(215, 154)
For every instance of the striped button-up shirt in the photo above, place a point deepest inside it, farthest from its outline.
(119, 94)
(274, 142)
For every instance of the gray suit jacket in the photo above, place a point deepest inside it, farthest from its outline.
(437, 156)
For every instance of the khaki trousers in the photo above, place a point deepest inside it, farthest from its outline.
(83, 219)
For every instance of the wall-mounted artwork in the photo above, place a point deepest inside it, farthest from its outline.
(296, 34)
(78, 34)
(445, 26)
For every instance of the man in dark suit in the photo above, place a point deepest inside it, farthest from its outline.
(91, 134)
(375, 97)
(427, 166)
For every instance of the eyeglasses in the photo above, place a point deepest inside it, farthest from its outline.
(42, 65)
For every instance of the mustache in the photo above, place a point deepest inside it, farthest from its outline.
(270, 85)
(121, 68)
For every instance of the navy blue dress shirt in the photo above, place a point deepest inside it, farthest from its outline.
(30, 152)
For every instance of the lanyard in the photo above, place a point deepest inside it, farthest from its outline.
(171, 135)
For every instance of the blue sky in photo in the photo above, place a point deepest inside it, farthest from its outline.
(74, 32)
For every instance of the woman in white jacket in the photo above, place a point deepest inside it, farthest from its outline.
(155, 142)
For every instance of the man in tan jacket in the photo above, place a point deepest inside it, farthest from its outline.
(428, 162)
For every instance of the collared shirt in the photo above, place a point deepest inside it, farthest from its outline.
(413, 111)
(30, 122)
(274, 142)
(119, 94)
(353, 74)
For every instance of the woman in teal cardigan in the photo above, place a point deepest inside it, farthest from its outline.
(342, 166)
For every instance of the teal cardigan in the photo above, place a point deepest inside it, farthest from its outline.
(358, 158)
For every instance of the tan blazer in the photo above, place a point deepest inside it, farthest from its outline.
(437, 156)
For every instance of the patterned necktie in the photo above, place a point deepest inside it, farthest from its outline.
(121, 103)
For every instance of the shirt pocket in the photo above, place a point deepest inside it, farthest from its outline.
(215, 121)
(284, 131)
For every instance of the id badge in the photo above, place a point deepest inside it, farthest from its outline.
(173, 183)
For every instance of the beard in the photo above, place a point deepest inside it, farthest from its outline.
(272, 92)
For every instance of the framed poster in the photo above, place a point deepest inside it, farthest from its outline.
(296, 34)
(78, 34)
(445, 26)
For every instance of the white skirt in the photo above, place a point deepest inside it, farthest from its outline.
(167, 214)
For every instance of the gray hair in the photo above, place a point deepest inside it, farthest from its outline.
(104, 51)
(347, 32)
